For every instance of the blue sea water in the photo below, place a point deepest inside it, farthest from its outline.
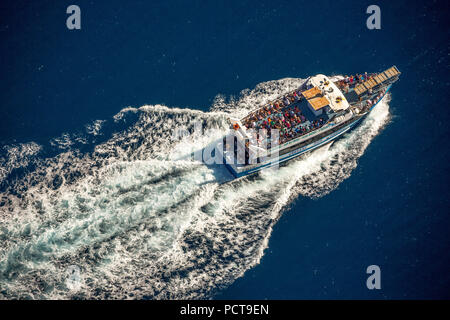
(393, 209)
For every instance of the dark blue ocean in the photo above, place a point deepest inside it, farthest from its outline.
(392, 210)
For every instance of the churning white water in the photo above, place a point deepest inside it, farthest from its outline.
(136, 221)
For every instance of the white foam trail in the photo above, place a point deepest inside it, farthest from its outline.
(17, 156)
(139, 223)
(95, 127)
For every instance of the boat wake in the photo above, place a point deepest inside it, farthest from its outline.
(137, 222)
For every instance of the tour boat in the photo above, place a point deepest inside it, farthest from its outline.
(317, 113)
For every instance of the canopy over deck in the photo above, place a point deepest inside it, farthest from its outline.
(319, 102)
(380, 78)
(311, 93)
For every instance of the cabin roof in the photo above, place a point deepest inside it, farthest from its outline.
(319, 102)
(311, 93)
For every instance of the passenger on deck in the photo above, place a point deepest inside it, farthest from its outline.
(279, 115)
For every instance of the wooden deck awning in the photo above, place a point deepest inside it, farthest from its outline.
(382, 77)
(377, 80)
(360, 89)
(311, 93)
(391, 72)
(318, 103)
(372, 83)
(367, 84)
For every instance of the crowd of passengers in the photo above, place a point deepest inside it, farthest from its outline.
(353, 80)
(288, 119)
(371, 102)
(287, 134)
(276, 115)
(283, 116)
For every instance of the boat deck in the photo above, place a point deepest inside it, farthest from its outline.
(291, 116)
